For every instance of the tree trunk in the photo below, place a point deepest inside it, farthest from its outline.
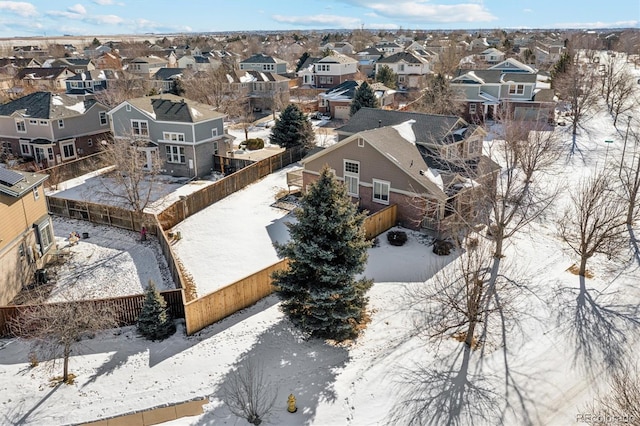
(65, 368)
(632, 206)
(583, 266)
(499, 240)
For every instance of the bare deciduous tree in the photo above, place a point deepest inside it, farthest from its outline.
(595, 220)
(621, 403)
(208, 87)
(57, 328)
(135, 173)
(125, 86)
(630, 179)
(247, 394)
(578, 87)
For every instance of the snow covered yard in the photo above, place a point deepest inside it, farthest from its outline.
(111, 262)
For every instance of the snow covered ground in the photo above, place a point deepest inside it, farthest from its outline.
(555, 360)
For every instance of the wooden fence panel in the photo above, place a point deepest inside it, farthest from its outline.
(381, 221)
(213, 307)
(127, 308)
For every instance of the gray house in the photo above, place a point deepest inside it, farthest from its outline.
(184, 134)
(51, 129)
(261, 62)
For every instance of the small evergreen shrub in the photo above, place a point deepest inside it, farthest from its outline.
(254, 143)
(397, 238)
(154, 322)
(442, 247)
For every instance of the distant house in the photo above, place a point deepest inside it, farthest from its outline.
(184, 134)
(52, 128)
(333, 70)
(410, 69)
(26, 230)
(337, 101)
(164, 80)
(491, 55)
(77, 65)
(264, 90)
(199, 62)
(507, 86)
(146, 66)
(389, 47)
(265, 63)
(342, 47)
(367, 59)
(12, 64)
(90, 82)
(428, 165)
(45, 78)
(108, 60)
(93, 52)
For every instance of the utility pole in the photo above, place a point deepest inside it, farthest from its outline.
(624, 147)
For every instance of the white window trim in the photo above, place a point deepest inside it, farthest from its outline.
(27, 145)
(65, 144)
(140, 127)
(36, 193)
(349, 177)
(33, 122)
(360, 142)
(174, 157)
(24, 126)
(42, 228)
(373, 191)
(102, 116)
(473, 108)
(61, 123)
(127, 108)
(43, 122)
(169, 137)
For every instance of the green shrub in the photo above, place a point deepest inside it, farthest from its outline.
(397, 238)
(254, 143)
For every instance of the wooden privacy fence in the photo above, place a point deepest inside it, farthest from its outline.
(127, 308)
(75, 168)
(199, 200)
(102, 214)
(380, 221)
(213, 307)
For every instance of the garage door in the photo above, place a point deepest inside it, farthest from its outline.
(342, 112)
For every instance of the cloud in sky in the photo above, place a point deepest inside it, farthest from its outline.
(104, 2)
(527, 10)
(322, 20)
(19, 8)
(422, 11)
(597, 24)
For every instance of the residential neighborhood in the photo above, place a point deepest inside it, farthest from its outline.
(344, 219)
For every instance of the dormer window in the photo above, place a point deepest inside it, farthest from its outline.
(516, 89)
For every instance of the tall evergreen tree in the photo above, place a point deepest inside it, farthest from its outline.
(293, 129)
(387, 77)
(319, 292)
(154, 322)
(363, 97)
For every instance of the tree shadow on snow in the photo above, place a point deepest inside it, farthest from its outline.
(634, 244)
(602, 328)
(291, 365)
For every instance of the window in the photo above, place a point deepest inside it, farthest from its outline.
(472, 108)
(68, 150)
(89, 142)
(61, 124)
(352, 177)
(127, 108)
(381, 191)
(7, 149)
(516, 89)
(325, 80)
(215, 148)
(20, 126)
(173, 137)
(103, 118)
(214, 132)
(34, 122)
(25, 148)
(36, 193)
(400, 67)
(360, 142)
(44, 235)
(140, 127)
(175, 154)
(43, 122)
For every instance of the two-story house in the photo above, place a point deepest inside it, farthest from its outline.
(108, 61)
(89, 82)
(430, 166)
(264, 90)
(26, 232)
(491, 55)
(199, 62)
(183, 134)
(389, 47)
(342, 47)
(333, 70)
(509, 86)
(164, 80)
(367, 59)
(52, 128)
(410, 69)
(146, 66)
(264, 63)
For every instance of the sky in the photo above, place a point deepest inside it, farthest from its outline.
(111, 17)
